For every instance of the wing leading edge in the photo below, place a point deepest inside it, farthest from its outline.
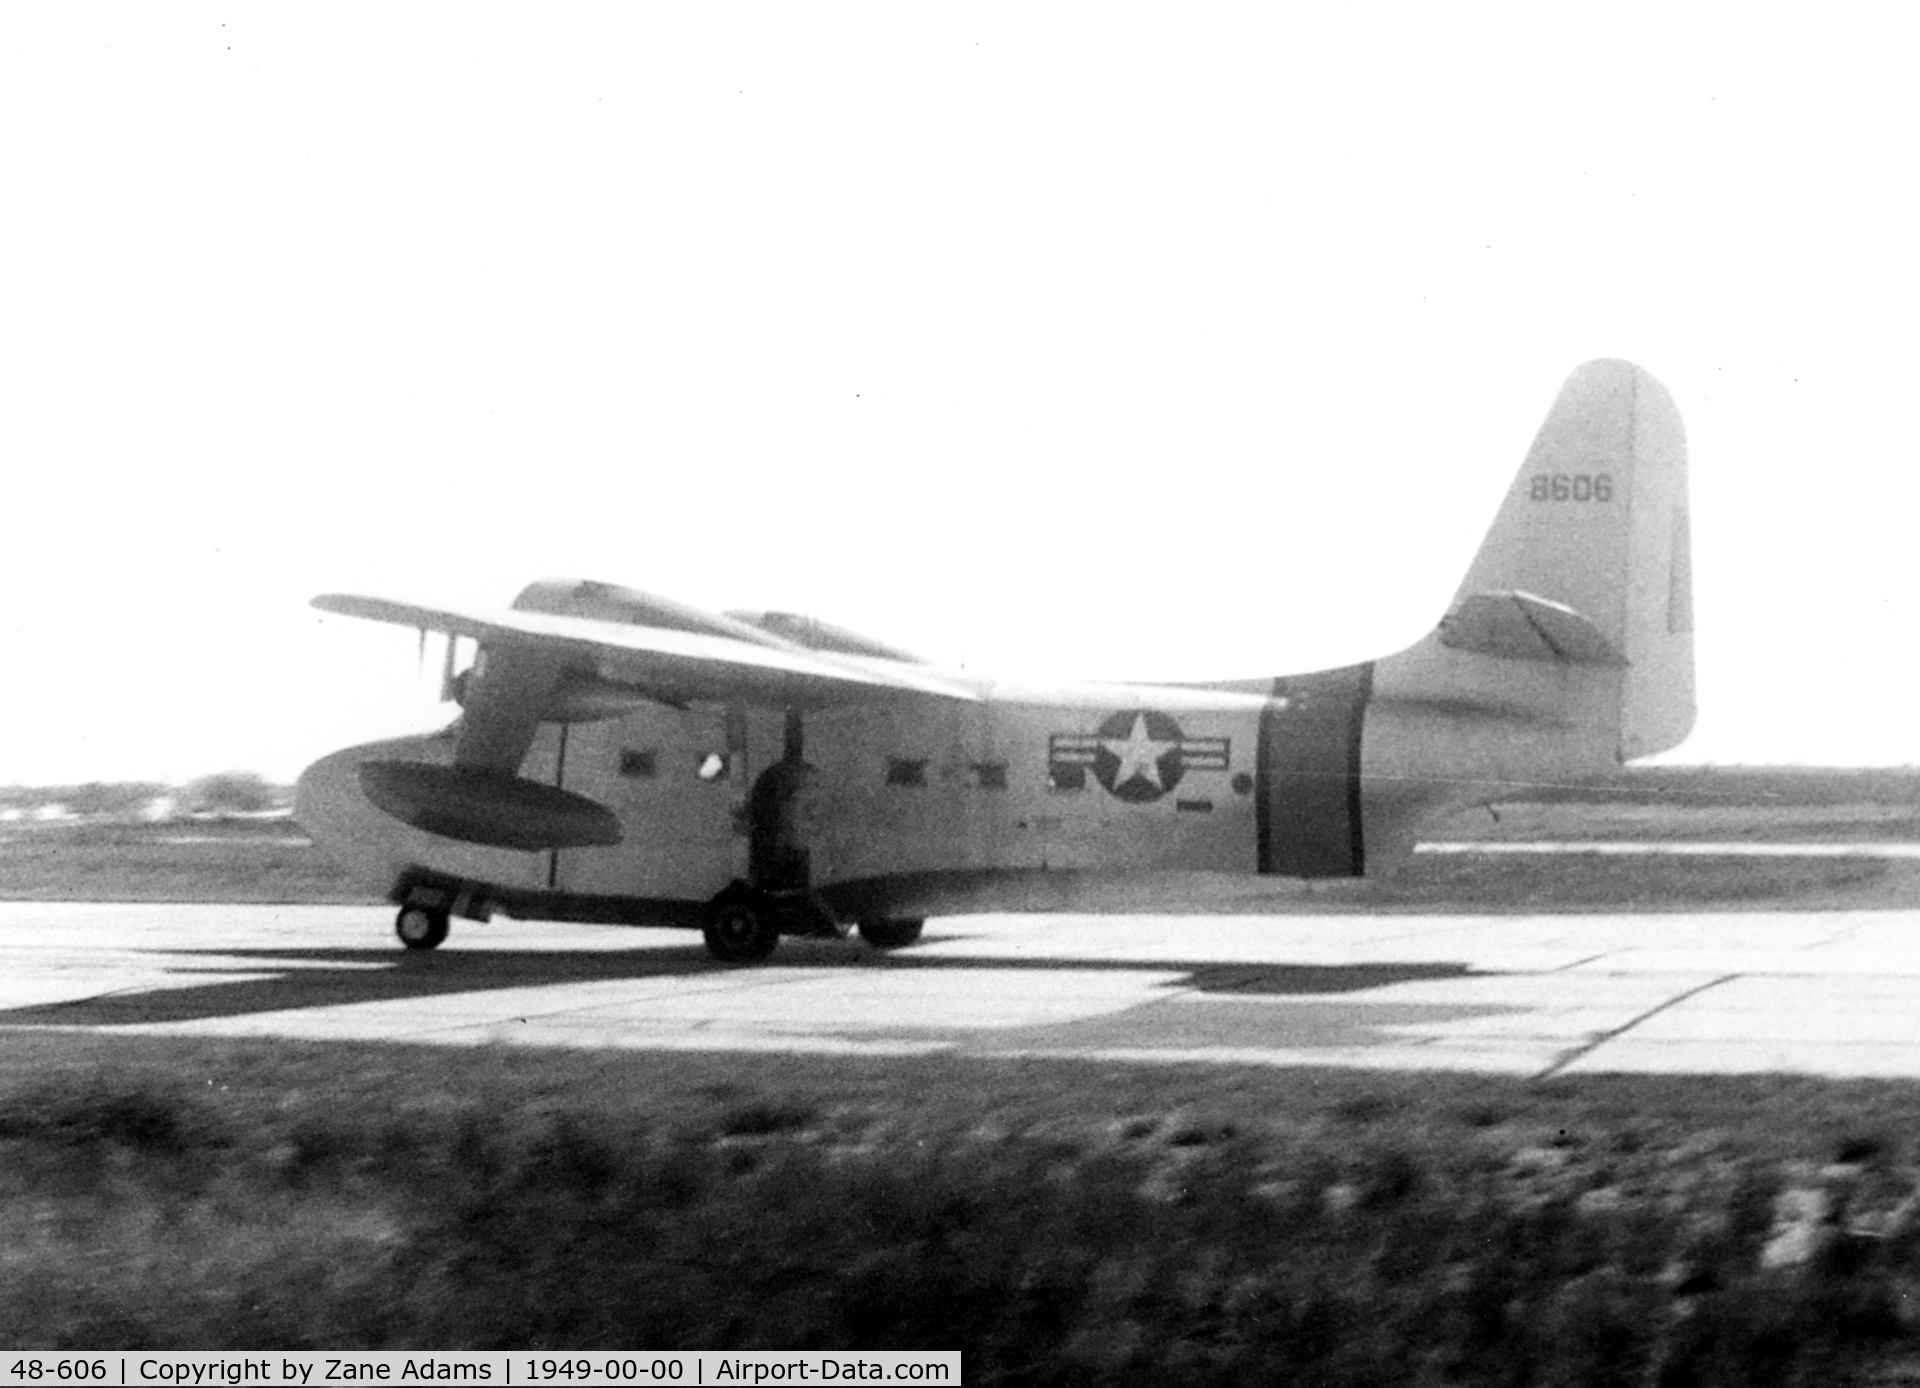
(670, 664)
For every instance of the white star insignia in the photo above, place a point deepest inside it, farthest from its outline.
(1139, 754)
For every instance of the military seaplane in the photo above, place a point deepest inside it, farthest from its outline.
(622, 758)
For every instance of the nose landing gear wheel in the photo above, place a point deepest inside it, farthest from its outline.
(893, 934)
(420, 927)
(741, 928)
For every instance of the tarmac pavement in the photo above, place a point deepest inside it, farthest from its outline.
(1826, 993)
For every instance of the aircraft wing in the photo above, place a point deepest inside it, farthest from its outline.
(671, 665)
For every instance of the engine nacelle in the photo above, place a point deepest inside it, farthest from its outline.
(579, 697)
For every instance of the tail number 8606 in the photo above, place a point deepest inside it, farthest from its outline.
(1578, 486)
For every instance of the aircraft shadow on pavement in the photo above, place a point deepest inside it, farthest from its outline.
(330, 977)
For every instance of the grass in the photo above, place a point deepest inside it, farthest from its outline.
(265, 861)
(1774, 786)
(269, 862)
(1572, 882)
(1892, 821)
(1059, 1222)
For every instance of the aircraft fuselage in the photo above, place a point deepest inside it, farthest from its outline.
(623, 757)
(886, 808)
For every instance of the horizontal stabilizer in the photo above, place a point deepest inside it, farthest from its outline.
(1520, 626)
(487, 807)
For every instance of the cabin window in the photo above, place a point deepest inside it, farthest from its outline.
(713, 767)
(906, 771)
(1066, 778)
(639, 764)
(990, 775)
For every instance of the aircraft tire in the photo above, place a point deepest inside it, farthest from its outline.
(421, 927)
(890, 934)
(741, 928)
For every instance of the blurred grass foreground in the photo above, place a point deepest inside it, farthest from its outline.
(1059, 1223)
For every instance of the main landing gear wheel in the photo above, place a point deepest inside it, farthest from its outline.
(741, 928)
(421, 927)
(895, 934)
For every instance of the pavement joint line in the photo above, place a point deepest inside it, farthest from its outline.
(749, 980)
(1588, 1047)
(1603, 954)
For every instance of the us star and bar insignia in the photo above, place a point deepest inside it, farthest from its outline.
(1137, 755)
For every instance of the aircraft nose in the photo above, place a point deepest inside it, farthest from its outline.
(330, 803)
(325, 790)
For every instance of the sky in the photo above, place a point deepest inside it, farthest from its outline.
(1114, 341)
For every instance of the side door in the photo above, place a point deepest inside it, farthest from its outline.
(678, 779)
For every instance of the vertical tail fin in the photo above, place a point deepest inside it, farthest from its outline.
(1567, 650)
(1588, 561)
(1577, 611)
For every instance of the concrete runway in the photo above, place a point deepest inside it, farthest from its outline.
(1834, 993)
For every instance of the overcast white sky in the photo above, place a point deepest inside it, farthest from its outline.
(1105, 340)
